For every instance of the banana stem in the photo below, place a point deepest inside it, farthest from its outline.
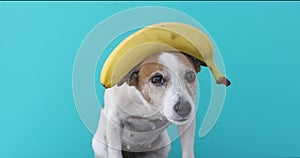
(220, 79)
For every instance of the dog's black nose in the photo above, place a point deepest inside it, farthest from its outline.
(183, 108)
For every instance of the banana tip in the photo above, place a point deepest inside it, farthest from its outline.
(105, 86)
(223, 80)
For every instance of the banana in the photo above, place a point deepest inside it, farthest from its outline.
(169, 36)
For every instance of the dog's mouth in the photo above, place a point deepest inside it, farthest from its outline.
(180, 120)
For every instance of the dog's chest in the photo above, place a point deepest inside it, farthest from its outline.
(140, 124)
(141, 132)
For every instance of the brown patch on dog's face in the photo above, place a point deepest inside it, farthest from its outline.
(146, 73)
(151, 79)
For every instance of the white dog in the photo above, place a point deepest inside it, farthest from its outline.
(159, 91)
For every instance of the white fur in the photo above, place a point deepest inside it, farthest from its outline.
(126, 110)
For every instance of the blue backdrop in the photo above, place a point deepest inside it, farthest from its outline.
(259, 43)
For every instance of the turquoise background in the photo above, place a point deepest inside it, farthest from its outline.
(259, 43)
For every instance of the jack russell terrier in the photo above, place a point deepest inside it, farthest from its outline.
(136, 112)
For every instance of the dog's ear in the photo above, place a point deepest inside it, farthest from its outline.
(131, 78)
(197, 63)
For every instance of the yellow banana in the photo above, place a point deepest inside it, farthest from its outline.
(170, 36)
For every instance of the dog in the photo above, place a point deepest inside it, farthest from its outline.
(136, 112)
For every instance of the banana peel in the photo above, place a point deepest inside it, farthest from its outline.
(169, 36)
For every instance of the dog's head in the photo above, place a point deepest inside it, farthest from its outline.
(168, 81)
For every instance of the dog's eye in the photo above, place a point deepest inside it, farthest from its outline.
(190, 76)
(157, 80)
